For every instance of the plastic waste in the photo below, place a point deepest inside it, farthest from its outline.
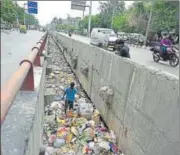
(80, 131)
(82, 100)
(62, 133)
(51, 139)
(91, 145)
(86, 110)
(57, 98)
(104, 145)
(113, 148)
(59, 143)
(113, 136)
(54, 105)
(96, 116)
(69, 138)
(74, 131)
(49, 150)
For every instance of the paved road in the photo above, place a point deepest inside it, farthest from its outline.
(14, 47)
(140, 55)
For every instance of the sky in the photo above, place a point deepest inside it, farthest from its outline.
(49, 9)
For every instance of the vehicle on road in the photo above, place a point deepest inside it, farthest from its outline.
(137, 39)
(123, 36)
(103, 37)
(22, 29)
(171, 55)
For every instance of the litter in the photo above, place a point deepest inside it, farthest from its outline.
(79, 131)
(59, 143)
(86, 110)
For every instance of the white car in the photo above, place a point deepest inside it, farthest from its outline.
(103, 37)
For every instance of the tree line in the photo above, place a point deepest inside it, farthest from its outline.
(10, 11)
(114, 14)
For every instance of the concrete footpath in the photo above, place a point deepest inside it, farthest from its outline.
(21, 132)
(140, 104)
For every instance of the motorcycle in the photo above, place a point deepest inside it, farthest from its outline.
(171, 55)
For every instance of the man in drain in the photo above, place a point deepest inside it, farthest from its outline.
(70, 93)
(122, 49)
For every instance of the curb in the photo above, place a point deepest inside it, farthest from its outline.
(138, 46)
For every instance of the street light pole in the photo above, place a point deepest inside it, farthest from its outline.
(89, 24)
(149, 22)
(24, 14)
(83, 14)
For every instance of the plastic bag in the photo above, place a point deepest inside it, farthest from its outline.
(51, 139)
(62, 133)
(113, 136)
(113, 148)
(88, 134)
(59, 143)
(69, 138)
(86, 110)
(54, 105)
(96, 116)
(74, 131)
(79, 121)
(104, 145)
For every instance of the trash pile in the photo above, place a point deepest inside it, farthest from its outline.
(80, 131)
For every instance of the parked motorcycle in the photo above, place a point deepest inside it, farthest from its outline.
(171, 55)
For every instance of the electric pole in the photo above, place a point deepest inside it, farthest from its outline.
(149, 22)
(89, 24)
(24, 14)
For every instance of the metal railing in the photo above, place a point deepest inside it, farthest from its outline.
(22, 79)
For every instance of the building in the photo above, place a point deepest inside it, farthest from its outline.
(74, 21)
(71, 21)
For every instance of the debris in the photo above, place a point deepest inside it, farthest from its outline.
(86, 110)
(59, 143)
(79, 131)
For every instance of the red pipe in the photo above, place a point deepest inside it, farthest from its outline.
(11, 88)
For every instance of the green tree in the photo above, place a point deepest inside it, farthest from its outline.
(165, 16)
(10, 12)
(95, 22)
(106, 11)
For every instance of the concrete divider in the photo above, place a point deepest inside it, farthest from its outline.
(144, 111)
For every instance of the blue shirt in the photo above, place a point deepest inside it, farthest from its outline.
(70, 94)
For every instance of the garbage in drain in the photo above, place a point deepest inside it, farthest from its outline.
(79, 131)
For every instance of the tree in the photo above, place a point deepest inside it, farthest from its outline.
(106, 11)
(10, 12)
(95, 22)
(134, 19)
(165, 16)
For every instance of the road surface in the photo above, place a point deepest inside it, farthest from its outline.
(139, 55)
(14, 47)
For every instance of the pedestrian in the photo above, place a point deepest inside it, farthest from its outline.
(122, 49)
(70, 93)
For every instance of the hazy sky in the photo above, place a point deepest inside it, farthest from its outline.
(49, 9)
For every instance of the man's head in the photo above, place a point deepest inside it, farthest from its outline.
(72, 84)
(120, 42)
(165, 36)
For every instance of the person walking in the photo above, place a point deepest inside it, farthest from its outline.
(70, 93)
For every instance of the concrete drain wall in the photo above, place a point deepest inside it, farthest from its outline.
(144, 109)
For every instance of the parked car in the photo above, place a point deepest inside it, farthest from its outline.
(103, 37)
(137, 39)
(123, 36)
